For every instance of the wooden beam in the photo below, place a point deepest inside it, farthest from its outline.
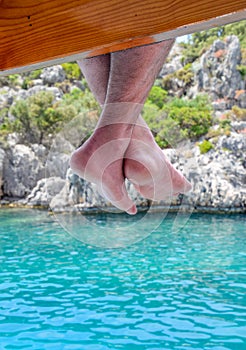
(39, 33)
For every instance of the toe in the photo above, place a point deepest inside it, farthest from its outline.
(179, 183)
(117, 194)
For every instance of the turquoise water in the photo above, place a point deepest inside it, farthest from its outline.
(184, 290)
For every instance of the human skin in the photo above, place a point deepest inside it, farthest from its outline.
(122, 145)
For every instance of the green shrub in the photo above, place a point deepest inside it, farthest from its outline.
(13, 80)
(205, 146)
(184, 74)
(5, 125)
(238, 29)
(243, 53)
(213, 133)
(192, 121)
(225, 124)
(27, 83)
(179, 119)
(157, 96)
(72, 70)
(40, 115)
(239, 113)
(81, 100)
(4, 81)
(35, 74)
(193, 116)
(170, 134)
(242, 70)
(190, 53)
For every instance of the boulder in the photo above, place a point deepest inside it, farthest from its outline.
(236, 143)
(13, 139)
(52, 75)
(22, 169)
(7, 96)
(35, 89)
(44, 191)
(239, 126)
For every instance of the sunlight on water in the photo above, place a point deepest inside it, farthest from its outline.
(170, 291)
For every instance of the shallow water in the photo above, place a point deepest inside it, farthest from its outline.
(170, 291)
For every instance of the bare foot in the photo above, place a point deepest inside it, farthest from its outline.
(146, 166)
(100, 160)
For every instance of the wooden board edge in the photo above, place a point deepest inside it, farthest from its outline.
(132, 42)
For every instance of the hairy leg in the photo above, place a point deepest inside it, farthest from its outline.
(96, 72)
(134, 71)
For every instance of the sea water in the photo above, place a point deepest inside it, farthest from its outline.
(172, 290)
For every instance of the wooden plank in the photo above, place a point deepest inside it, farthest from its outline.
(39, 33)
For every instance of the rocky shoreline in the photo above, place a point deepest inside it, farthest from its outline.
(5, 204)
(218, 179)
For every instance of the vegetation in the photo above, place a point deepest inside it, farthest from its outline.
(39, 116)
(157, 96)
(223, 125)
(238, 113)
(205, 146)
(35, 74)
(81, 100)
(178, 119)
(242, 70)
(72, 70)
(184, 75)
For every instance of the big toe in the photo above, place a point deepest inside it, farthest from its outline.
(179, 182)
(118, 196)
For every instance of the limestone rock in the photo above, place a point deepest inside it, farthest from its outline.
(217, 72)
(35, 89)
(13, 139)
(58, 157)
(174, 61)
(52, 75)
(239, 126)
(240, 97)
(2, 156)
(236, 143)
(7, 96)
(80, 194)
(22, 169)
(44, 191)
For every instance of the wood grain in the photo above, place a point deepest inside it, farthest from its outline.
(37, 33)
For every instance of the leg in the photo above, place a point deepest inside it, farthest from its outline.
(133, 72)
(96, 72)
(130, 79)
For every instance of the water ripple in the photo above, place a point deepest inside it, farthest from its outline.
(171, 291)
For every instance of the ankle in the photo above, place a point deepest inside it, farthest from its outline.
(119, 113)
